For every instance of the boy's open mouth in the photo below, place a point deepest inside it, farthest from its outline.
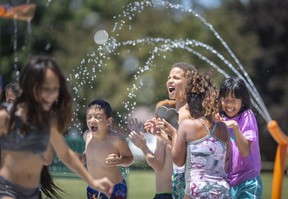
(94, 128)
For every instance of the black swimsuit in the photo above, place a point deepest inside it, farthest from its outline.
(35, 139)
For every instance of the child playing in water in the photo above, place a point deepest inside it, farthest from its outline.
(178, 76)
(37, 119)
(105, 150)
(201, 143)
(160, 160)
(48, 187)
(245, 162)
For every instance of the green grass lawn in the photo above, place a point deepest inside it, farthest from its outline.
(141, 185)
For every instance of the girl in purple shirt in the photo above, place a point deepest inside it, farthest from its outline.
(244, 157)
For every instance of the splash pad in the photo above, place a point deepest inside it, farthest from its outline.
(110, 43)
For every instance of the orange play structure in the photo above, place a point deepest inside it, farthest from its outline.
(280, 159)
(23, 12)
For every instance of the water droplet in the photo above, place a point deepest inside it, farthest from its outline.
(101, 37)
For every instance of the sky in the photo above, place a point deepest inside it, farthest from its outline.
(206, 3)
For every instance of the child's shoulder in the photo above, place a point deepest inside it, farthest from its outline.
(86, 134)
(189, 124)
(117, 139)
(248, 113)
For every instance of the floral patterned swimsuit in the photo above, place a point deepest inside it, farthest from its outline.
(205, 167)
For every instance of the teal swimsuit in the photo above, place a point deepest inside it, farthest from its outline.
(178, 185)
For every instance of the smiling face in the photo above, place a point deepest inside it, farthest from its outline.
(97, 120)
(231, 105)
(176, 83)
(49, 91)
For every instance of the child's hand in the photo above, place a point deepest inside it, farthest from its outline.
(166, 127)
(138, 139)
(150, 126)
(218, 118)
(231, 124)
(113, 159)
(134, 125)
(103, 185)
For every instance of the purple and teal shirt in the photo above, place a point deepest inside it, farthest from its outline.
(244, 168)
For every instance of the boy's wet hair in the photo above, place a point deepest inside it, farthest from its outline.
(238, 89)
(101, 104)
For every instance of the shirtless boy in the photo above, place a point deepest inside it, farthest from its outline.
(105, 150)
(161, 160)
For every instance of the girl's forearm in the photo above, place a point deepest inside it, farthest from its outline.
(241, 141)
(74, 164)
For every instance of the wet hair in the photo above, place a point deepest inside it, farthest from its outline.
(236, 86)
(187, 68)
(189, 71)
(30, 82)
(101, 104)
(202, 96)
(14, 87)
